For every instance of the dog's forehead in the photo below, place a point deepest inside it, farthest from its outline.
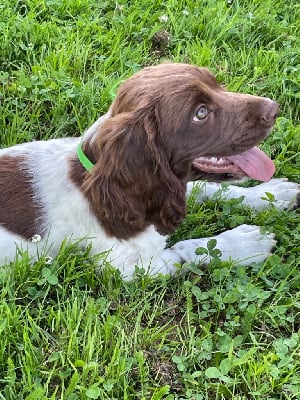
(166, 82)
(175, 71)
(181, 74)
(207, 77)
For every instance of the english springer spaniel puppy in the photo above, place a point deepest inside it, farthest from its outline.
(122, 187)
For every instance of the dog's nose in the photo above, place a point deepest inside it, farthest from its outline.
(269, 112)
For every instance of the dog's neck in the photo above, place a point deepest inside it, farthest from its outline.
(91, 133)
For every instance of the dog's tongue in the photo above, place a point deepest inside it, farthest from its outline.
(255, 163)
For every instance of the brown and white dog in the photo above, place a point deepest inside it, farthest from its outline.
(169, 124)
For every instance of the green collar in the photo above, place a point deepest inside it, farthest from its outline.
(85, 161)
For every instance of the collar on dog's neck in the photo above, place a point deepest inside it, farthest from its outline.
(85, 161)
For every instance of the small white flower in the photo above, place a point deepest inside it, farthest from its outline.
(250, 15)
(119, 7)
(185, 13)
(163, 18)
(36, 238)
(48, 260)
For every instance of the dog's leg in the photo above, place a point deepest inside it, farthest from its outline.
(284, 194)
(244, 245)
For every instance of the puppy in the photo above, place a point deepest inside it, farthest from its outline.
(123, 186)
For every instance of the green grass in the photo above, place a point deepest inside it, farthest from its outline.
(221, 332)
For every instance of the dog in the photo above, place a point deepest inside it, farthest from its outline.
(122, 187)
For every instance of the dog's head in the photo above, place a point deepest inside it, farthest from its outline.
(199, 123)
(170, 123)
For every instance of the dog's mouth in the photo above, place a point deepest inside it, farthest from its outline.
(253, 163)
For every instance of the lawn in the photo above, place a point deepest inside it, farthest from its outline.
(219, 332)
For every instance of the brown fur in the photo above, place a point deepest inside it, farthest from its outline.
(132, 185)
(25, 219)
(143, 154)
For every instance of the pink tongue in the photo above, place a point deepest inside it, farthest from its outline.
(255, 163)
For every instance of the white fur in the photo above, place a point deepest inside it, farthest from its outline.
(285, 193)
(69, 216)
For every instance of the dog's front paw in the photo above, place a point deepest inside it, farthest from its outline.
(280, 192)
(245, 244)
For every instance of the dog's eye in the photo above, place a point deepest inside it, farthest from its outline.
(201, 113)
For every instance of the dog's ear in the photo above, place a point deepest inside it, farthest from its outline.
(131, 185)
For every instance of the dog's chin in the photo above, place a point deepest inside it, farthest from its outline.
(196, 174)
(216, 170)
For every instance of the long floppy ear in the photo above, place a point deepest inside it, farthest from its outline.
(131, 185)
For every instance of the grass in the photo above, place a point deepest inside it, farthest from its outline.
(221, 332)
